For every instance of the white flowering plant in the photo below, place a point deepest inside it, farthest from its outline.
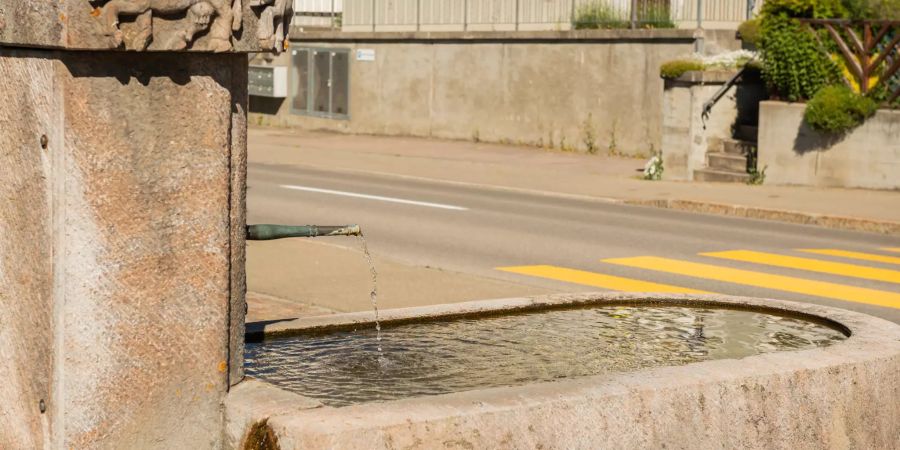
(653, 170)
(728, 60)
(697, 62)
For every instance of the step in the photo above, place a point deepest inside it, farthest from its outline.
(722, 176)
(737, 147)
(748, 133)
(727, 161)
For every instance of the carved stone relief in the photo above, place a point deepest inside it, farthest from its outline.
(220, 17)
(274, 23)
(199, 18)
(178, 24)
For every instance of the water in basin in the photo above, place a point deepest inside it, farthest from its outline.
(344, 368)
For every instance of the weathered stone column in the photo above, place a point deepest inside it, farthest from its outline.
(122, 186)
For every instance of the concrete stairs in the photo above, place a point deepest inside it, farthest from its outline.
(728, 164)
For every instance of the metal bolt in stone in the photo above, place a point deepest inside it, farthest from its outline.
(43, 406)
(44, 141)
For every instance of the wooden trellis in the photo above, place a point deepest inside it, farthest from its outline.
(878, 47)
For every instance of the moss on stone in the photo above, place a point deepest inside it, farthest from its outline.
(261, 437)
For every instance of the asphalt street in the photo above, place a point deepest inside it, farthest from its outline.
(570, 244)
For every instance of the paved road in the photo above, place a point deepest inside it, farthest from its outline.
(574, 244)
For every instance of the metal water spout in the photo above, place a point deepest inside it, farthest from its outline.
(266, 232)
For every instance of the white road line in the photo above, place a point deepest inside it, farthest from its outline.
(373, 197)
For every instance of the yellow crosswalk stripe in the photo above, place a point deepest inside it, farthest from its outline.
(892, 249)
(852, 255)
(597, 279)
(763, 280)
(812, 265)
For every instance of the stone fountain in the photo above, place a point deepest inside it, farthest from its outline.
(122, 247)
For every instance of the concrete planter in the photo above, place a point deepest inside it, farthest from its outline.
(867, 157)
(843, 396)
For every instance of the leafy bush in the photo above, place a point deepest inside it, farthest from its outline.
(749, 31)
(885, 9)
(599, 15)
(834, 9)
(794, 65)
(655, 16)
(837, 110)
(674, 69)
(805, 9)
(872, 9)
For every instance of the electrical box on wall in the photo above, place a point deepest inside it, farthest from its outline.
(269, 81)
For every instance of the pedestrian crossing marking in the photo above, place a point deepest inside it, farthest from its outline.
(598, 280)
(812, 265)
(762, 280)
(852, 255)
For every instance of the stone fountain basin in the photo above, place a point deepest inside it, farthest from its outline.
(846, 395)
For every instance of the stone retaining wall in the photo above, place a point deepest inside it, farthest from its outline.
(560, 90)
(867, 157)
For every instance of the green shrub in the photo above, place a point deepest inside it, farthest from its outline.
(885, 9)
(805, 9)
(655, 16)
(837, 110)
(834, 9)
(599, 15)
(749, 31)
(794, 65)
(677, 68)
(872, 9)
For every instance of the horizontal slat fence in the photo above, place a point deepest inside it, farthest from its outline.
(410, 15)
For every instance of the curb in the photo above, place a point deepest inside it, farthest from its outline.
(777, 215)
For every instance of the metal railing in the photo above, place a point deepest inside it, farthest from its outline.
(466, 15)
(318, 13)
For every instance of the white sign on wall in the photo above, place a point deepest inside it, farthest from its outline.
(365, 54)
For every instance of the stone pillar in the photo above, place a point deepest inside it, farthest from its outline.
(122, 219)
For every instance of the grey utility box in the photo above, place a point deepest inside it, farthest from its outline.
(268, 81)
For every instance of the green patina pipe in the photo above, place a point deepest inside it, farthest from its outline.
(270, 232)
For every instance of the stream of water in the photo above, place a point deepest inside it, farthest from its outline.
(374, 294)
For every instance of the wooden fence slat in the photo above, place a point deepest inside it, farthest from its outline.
(852, 63)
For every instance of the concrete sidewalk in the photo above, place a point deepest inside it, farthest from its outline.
(299, 278)
(554, 173)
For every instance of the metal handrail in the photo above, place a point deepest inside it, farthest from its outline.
(708, 106)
